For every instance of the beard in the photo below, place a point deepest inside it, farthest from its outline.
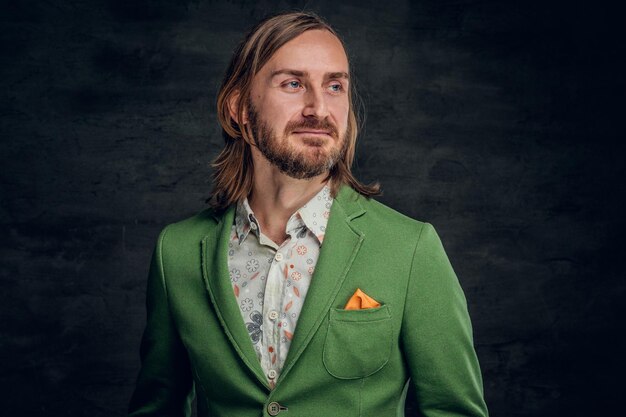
(285, 156)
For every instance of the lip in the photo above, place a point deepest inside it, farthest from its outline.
(312, 132)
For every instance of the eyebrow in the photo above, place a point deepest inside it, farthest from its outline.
(297, 73)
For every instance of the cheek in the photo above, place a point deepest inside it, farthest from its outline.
(271, 115)
(341, 110)
(278, 111)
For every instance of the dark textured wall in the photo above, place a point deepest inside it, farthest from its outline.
(500, 122)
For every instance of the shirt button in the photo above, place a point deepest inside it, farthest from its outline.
(278, 257)
(273, 315)
(271, 374)
(253, 225)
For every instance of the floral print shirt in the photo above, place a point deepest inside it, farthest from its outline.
(271, 281)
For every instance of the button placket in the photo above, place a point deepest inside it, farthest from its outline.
(271, 306)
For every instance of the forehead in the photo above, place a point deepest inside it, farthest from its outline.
(312, 51)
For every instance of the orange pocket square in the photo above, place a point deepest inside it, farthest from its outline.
(360, 301)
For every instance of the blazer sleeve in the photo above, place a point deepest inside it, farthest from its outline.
(437, 336)
(164, 385)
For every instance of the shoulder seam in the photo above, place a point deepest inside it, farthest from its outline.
(408, 281)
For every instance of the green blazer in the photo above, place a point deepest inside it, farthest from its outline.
(341, 363)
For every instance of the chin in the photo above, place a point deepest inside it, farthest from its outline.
(315, 141)
(315, 153)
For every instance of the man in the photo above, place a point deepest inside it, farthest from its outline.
(296, 293)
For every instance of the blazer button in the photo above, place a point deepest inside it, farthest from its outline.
(274, 408)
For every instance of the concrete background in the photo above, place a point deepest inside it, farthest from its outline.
(500, 122)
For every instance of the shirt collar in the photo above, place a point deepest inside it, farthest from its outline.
(244, 220)
(312, 216)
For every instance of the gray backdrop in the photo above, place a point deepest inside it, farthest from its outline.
(500, 122)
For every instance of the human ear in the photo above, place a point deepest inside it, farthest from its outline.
(233, 108)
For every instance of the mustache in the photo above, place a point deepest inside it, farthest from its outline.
(312, 124)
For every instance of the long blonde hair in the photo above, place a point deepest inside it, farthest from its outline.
(233, 170)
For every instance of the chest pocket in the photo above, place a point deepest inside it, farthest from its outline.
(358, 342)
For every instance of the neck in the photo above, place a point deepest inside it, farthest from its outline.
(276, 196)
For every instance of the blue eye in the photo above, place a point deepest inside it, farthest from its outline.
(293, 84)
(336, 88)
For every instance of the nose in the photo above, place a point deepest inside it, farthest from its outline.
(315, 104)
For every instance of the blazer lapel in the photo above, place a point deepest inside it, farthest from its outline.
(341, 245)
(217, 281)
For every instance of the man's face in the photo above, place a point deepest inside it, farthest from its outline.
(298, 106)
